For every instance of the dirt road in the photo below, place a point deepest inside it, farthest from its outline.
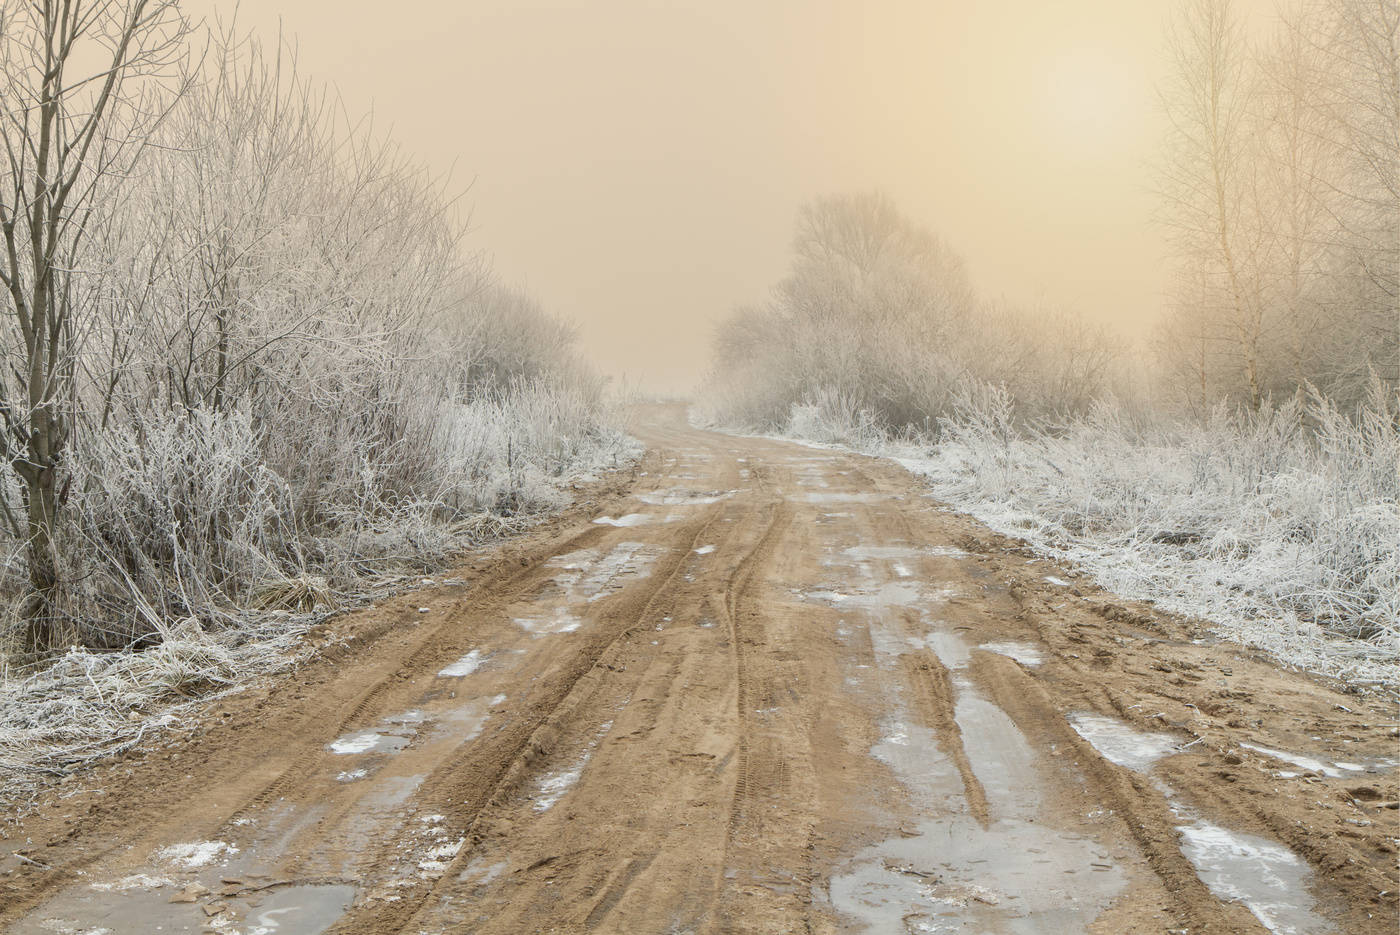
(756, 688)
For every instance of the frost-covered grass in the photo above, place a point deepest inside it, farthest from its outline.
(1281, 529)
(199, 572)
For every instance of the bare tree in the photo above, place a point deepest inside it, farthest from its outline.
(81, 92)
(1208, 181)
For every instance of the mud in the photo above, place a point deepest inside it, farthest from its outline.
(797, 696)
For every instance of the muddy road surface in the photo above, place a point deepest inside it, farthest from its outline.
(752, 687)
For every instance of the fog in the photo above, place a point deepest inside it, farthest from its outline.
(637, 165)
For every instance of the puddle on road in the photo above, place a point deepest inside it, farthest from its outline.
(559, 620)
(1024, 653)
(631, 519)
(948, 873)
(142, 904)
(1332, 769)
(370, 740)
(1119, 743)
(589, 575)
(900, 593)
(1264, 876)
(865, 553)
(464, 666)
(552, 787)
(953, 875)
(1268, 878)
(195, 854)
(851, 497)
(680, 496)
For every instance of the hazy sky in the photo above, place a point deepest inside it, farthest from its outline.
(637, 163)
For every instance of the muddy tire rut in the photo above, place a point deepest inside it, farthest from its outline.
(748, 687)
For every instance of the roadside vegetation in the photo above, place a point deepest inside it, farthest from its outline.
(251, 370)
(1243, 467)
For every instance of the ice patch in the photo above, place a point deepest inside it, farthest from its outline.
(1118, 743)
(845, 497)
(464, 666)
(138, 881)
(704, 550)
(678, 496)
(552, 787)
(440, 856)
(1268, 878)
(1059, 581)
(196, 853)
(561, 620)
(1024, 653)
(1331, 770)
(369, 740)
(631, 519)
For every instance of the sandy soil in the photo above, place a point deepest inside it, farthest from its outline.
(754, 687)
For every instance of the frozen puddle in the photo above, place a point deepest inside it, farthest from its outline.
(866, 553)
(1264, 876)
(1118, 743)
(1024, 653)
(196, 854)
(950, 873)
(280, 910)
(1268, 878)
(393, 735)
(370, 740)
(631, 519)
(552, 787)
(679, 496)
(560, 620)
(852, 497)
(464, 666)
(954, 876)
(589, 575)
(1332, 770)
(902, 592)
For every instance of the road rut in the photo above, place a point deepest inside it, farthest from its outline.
(756, 687)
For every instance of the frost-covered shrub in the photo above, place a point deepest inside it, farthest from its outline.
(879, 312)
(1281, 527)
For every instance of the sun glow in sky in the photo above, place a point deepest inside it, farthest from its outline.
(637, 164)
(1087, 99)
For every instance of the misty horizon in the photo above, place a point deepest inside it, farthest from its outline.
(638, 167)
